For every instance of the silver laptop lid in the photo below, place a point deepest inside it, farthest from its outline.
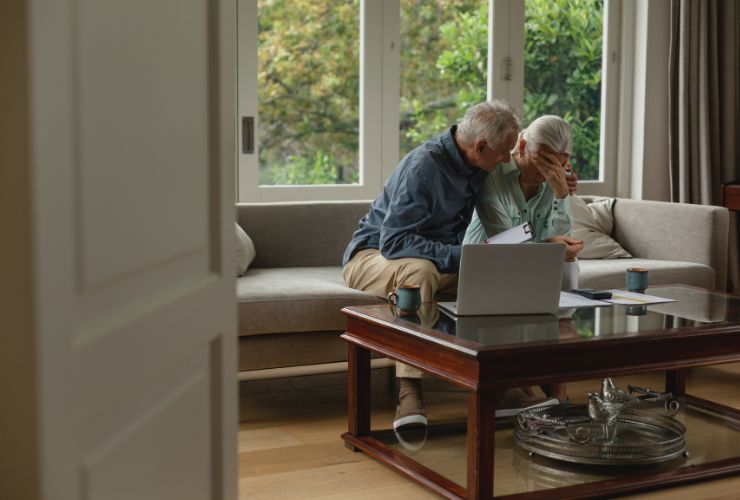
(510, 279)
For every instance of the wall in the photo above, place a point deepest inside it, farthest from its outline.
(19, 458)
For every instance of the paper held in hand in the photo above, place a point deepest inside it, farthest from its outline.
(517, 234)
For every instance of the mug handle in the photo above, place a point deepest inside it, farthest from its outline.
(393, 298)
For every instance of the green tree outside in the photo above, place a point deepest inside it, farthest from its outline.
(309, 91)
(443, 65)
(563, 49)
(309, 78)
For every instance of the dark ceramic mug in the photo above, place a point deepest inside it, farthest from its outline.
(406, 297)
(637, 279)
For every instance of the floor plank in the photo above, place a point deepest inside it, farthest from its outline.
(289, 445)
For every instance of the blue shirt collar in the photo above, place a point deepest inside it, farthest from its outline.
(461, 167)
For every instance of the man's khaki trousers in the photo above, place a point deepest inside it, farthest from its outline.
(371, 272)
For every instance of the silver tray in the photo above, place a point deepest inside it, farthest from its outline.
(640, 435)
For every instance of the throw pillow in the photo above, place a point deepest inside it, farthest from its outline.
(245, 252)
(593, 223)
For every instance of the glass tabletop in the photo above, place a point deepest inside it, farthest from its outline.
(693, 307)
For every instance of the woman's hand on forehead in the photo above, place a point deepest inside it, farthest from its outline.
(560, 159)
(551, 169)
(547, 160)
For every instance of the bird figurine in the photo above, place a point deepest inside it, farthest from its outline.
(605, 407)
(611, 393)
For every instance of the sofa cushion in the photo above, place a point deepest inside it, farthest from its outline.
(300, 234)
(593, 223)
(244, 251)
(604, 274)
(295, 299)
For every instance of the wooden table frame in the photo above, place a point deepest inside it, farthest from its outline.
(486, 373)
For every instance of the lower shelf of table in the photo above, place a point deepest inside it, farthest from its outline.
(711, 437)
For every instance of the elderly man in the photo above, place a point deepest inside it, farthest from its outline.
(414, 229)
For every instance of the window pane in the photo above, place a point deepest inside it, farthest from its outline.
(562, 72)
(308, 86)
(444, 53)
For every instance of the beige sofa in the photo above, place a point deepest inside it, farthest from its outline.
(290, 298)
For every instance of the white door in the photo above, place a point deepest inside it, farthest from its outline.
(132, 198)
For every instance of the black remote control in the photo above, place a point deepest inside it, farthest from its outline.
(590, 293)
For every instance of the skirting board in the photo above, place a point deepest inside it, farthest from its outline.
(294, 371)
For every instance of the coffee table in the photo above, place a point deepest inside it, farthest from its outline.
(485, 355)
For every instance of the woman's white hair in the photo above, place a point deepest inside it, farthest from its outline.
(551, 131)
(493, 121)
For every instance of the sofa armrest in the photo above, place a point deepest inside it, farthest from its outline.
(674, 231)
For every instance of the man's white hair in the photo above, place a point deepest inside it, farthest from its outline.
(493, 121)
(551, 131)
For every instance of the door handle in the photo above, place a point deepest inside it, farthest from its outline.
(247, 135)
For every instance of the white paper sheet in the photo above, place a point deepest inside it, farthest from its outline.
(626, 298)
(517, 234)
(568, 300)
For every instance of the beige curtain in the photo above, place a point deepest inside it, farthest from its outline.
(704, 106)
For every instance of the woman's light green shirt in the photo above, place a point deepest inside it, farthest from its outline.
(500, 205)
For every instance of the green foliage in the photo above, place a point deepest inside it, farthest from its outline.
(308, 91)
(562, 75)
(432, 94)
(321, 168)
(309, 78)
(563, 47)
(464, 63)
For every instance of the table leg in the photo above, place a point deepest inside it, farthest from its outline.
(675, 382)
(481, 435)
(358, 392)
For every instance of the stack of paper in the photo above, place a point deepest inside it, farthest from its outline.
(621, 297)
(624, 298)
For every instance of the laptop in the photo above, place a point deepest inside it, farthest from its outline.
(508, 279)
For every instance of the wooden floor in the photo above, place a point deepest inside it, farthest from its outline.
(289, 445)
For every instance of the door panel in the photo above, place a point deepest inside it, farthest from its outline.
(133, 164)
(142, 127)
(124, 465)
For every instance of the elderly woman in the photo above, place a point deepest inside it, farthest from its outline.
(533, 187)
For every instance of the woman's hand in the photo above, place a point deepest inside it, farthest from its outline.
(571, 178)
(549, 167)
(572, 246)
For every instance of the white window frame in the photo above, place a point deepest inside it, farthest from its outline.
(380, 96)
(379, 105)
(611, 85)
